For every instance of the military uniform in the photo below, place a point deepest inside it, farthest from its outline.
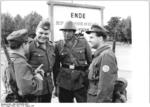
(74, 62)
(27, 84)
(102, 75)
(37, 56)
(120, 92)
(43, 53)
(23, 83)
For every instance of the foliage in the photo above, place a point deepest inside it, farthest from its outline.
(9, 23)
(119, 29)
(19, 22)
(31, 21)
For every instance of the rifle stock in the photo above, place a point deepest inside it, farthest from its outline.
(6, 51)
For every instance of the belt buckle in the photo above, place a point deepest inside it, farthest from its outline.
(47, 74)
(71, 66)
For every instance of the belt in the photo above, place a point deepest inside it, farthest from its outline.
(75, 67)
(46, 74)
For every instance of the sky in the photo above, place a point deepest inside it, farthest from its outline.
(122, 9)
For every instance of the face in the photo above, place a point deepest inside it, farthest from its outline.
(68, 34)
(42, 35)
(26, 47)
(94, 40)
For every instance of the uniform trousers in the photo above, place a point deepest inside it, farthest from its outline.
(44, 98)
(68, 96)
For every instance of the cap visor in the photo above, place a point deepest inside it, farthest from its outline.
(67, 29)
(88, 32)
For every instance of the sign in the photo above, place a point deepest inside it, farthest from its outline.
(83, 17)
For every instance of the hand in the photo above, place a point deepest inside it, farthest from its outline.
(39, 76)
(56, 91)
(39, 70)
(123, 98)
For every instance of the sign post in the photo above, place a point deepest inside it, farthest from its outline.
(83, 16)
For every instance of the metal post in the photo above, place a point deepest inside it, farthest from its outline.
(51, 20)
(114, 41)
(102, 17)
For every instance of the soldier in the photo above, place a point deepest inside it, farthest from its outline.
(41, 51)
(103, 69)
(22, 83)
(73, 56)
(120, 92)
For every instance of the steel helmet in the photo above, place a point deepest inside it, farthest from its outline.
(124, 81)
(69, 25)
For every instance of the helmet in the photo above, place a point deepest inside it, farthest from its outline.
(69, 25)
(122, 80)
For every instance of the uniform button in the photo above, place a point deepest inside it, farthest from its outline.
(39, 55)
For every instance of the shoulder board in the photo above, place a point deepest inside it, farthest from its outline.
(81, 38)
(60, 42)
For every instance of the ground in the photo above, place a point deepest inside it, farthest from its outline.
(123, 52)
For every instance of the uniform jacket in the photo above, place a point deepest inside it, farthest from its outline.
(77, 53)
(37, 56)
(22, 79)
(102, 74)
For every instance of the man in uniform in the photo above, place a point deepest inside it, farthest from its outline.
(41, 51)
(103, 69)
(73, 56)
(20, 79)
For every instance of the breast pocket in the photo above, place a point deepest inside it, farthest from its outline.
(80, 53)
(63, 54)
(38, 57)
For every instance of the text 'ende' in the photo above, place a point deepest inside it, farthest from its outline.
(78, 15)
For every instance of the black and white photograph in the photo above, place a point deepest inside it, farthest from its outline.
(74, 51)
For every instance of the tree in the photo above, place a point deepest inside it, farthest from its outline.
(128, 29)
(19, 22)
(8, 25)
(31, 21)
(113, 26)
(120, 30)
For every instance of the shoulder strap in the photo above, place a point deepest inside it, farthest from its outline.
(13, 84)
(71, 53)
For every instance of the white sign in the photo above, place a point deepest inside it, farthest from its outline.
(83, 18)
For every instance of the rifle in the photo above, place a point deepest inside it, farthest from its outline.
(6, 51)
(13, 96)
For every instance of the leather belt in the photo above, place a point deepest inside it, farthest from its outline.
(74, 67)
(47, 74)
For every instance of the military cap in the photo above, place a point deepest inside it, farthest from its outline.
(96, 28)
(19, 35)
(44, 24)
(69, 25)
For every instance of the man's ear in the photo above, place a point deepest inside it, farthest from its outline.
(24, 44)
(100, 38)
